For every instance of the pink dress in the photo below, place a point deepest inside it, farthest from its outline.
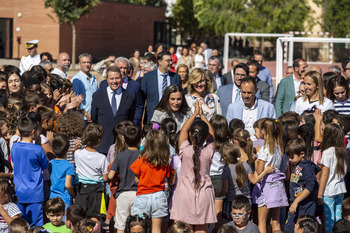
(190, 205)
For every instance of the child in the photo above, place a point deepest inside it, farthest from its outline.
(240, 214)
(74, 214)
(151, 169)
(127, 187)
(8, 210)
(236, 174)
(307, 224)
(303, 183)
(179, 227)
(220, 127)
(197, 207)
(332, 185)
(346, 208)
(342, 226)
(235, 124)
(270, 154)
(28, 162)
(54, 209)
(138, 224)
(19, 225)
(91, 172)
(241, 137)
(61, 171)
(227, 229)
(87, 226)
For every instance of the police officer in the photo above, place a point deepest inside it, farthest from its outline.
(33, 57)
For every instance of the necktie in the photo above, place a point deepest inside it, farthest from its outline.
(238, 95)
(114, 104)
(165, 83)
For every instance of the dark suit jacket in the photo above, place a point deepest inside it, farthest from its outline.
(101, 113)
(229, 78)
(149, 87)
(264, 88)
(134, 88)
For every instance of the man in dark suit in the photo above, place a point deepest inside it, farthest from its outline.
(264, 87)
(215, 67)
(129, 85)
(155, 82)
(230, 75)
(111, 105)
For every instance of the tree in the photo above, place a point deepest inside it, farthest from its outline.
(183, 16)
(70, 11)
(268, 16)
(336, 18)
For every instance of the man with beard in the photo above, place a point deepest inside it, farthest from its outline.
(289, 87)
(252, 108)
(63, 64)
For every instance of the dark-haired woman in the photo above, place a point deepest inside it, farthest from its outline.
(172, 105)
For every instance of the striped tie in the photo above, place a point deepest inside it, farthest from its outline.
(165, 82)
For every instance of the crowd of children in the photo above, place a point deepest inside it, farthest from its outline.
(207, 176)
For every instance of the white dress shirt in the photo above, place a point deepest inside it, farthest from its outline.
(296, 85)
(118, 96)
(249, 117)
(160, 82)
(60, 73)
(125, 82)
(217, 81)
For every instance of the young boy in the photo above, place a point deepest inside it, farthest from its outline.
(303, 183)
(91, 172)
(54, 209)
(127, 187)
(28, 162)
(19, 225)
(74, 214)
(61, 171)
(240, 215)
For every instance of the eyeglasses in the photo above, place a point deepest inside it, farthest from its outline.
(239, 215)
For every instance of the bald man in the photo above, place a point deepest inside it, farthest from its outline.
(63, 64)
(230, 75)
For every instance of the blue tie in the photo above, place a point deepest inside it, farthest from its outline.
(165, 83)
(238, 95)
(114, 103)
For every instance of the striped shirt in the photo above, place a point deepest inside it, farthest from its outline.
(12, 210)
(342, 107)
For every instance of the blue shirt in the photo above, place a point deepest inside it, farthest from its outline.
(160, 82)
(83, 86)
(28, 162)
(265, 75)
(59, 169)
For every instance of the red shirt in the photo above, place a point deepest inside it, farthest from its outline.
(151, 178)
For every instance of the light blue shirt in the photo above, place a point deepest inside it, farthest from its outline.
(160, 82)
(83, 86)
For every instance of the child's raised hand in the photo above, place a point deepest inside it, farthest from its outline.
(56, 95)
(49, 135)
(77, 144)
(318, 115)
(270, 169)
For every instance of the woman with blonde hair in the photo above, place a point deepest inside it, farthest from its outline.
(199, 87)
(314, 97)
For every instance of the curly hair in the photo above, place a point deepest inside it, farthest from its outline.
(71, 124)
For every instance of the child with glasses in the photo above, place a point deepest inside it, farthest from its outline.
(240, 214)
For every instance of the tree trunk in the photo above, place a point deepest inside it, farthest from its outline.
(73, 46)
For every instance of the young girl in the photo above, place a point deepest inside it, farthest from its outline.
(138, 224)
(306, 223)
(241, 137)
(151, 169)
(8, 209)
(270, 154)
(338, 91)
(220, 127)
(91, 172)
(197, 206)
(179, 227)
(332, 185)
(237, 173)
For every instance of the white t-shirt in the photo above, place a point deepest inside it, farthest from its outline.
(301, 105)
(216, 166)
(335, 183)
(12, 210)
(274, 159)
(90, 166)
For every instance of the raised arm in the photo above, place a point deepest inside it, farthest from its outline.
(184, 131)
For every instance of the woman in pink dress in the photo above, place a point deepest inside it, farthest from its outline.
(194, 197)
